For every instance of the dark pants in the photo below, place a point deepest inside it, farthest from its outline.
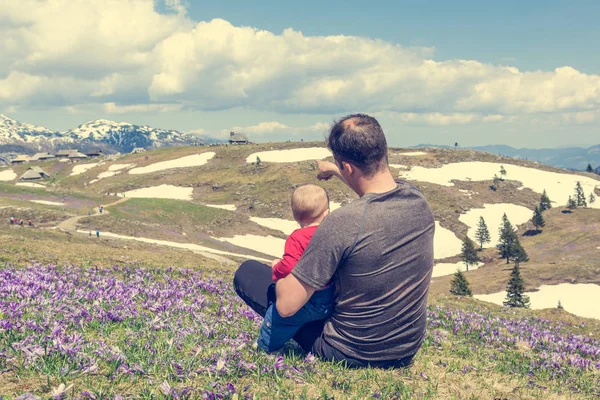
(254, 284)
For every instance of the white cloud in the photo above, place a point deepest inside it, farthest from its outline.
(277, 129)
(113, 108)
(444, 119)
(109, 52)
(197, 131)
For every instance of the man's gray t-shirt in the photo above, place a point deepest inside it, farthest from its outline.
(379, 252)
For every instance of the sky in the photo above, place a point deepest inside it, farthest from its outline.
(521, 73)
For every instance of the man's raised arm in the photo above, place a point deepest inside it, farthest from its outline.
(327, 170)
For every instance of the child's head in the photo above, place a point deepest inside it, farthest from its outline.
(310, 204)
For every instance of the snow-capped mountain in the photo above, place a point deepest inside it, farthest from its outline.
(15, 132)
(100, 133)
(126, 136)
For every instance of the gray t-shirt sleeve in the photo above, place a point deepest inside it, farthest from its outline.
(327, 248)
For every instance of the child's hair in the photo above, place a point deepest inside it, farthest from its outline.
(309, 202)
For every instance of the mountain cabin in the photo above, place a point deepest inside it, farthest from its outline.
(64, 153)
(238, 138)
(20, 159)
(41, 157)
(34, 174)
(96, 153)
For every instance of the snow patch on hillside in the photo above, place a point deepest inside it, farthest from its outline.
(47, 202)
(186, 246)
(558, 185)
(445, 243)
(443, 269)
(228, 207)
(291, 155)
(30, 184)
(263, 244)
(492, 215)
(161, 192)
(7, 175)
(283, 225)
(81, 168)
(195, 160)
(575, 298)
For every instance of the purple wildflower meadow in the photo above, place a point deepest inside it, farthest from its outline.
(178, 334)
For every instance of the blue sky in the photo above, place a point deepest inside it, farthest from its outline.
(526, 73)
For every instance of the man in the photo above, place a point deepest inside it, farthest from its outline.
(377, 251)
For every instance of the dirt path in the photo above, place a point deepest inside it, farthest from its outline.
(71, 223)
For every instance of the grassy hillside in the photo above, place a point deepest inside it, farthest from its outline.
(119, 317)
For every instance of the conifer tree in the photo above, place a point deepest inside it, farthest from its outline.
(502, 172)
(589, 168)
(571, 204)
(592, 198)
(483, 234)
(515, 290)
(538, 219)
(580, 196)
(469, 254)
(559, 306)
(545, 203)
(508, 237)
(495, 182)
(518, 253)
(459, 285)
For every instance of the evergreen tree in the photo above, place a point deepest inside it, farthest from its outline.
(592, 198)
(545, 203)
(515, 290)
(502, 172)
(571, 204)
(495, 182)
(483, 234)
(508, 237)
(538, 219)
(459, 285)
(559, 306)
(469, 254)
(518, 253)
(580, 196)
(589, 168)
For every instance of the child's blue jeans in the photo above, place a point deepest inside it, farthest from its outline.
(277, 330)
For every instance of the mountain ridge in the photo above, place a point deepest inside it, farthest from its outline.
(576, 158)
(103, 134)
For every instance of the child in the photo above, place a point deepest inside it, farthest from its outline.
(310, 205)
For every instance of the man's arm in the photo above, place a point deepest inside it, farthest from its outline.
(292, 295)
(327, 170)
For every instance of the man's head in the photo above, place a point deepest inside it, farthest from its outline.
(359, 140)
(310, 204)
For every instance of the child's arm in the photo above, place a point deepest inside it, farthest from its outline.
(291, 255)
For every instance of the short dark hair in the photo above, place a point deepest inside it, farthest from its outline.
(359, 139)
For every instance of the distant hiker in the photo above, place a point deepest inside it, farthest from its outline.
(89, 213)
(12, 220)
(98, 233)
(310, 205)
(90, 233)
(21, 222)
(29, 223)
(377, 250)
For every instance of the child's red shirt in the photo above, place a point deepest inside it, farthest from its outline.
(294, 248)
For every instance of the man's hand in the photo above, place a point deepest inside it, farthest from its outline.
(327, 170)
(275, 262)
